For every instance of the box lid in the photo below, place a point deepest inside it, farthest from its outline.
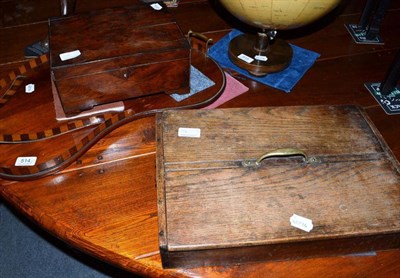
(115, 38)
(209, 198)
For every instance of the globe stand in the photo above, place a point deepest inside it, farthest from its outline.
(260, 54)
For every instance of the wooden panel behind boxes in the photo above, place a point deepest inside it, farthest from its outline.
(215, 209)
(126, 52)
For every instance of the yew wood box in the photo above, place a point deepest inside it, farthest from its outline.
(117, 54)
(273, 183)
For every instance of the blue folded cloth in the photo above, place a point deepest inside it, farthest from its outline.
(36, 49)
(285, 80)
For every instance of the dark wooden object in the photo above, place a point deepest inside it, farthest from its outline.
(372, 17)
(71, 135)
(67, 7)
(105, 203)
(125, 53)
(219, 204)
(392, 77)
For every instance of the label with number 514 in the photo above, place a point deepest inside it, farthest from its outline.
(26, 161)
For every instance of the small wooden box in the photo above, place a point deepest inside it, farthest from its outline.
(220, 201)
(124, 53)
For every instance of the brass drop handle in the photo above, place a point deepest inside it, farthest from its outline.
(202, 37)
(279, 153)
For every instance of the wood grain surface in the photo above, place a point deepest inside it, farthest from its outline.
(218, 206)
(113, 67)
(105, 203)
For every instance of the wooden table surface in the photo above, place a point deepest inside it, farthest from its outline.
(105, 204)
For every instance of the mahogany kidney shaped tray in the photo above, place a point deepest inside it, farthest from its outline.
(29, 129)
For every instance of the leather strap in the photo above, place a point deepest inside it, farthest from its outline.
(101, 124)
(11, 84)
(66, 158)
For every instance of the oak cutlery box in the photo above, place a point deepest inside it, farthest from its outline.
(117, 54)
(257, 184)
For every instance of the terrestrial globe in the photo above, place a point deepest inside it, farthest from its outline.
(262, 53)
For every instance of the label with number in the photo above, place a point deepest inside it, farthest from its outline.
(69, 55)
(301, 222)
(261, 58)
(156, 6)
(245, 58)
(26, 161)
(29, 88)
(189, 132)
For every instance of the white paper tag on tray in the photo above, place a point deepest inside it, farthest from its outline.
(69, 55)
(29, 88)
(25, 161)
(301, 223)
(261, 58)
(245, 58)
(189, 132)
(156, 6)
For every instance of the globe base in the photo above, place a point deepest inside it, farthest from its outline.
(246, 53)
